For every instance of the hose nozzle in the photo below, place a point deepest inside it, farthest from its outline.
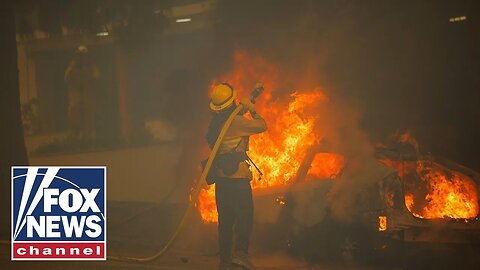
(256, 92)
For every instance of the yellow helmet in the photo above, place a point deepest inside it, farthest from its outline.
(223, 95)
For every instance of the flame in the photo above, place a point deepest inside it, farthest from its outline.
(409, 201)
(326, 165)
(450, 194)
(206, 204)
(432, 190)
(382, 223)
(280, 151)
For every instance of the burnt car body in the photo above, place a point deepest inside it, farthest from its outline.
(403, 225)
(380, 229)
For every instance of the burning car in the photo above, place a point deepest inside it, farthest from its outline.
(428, 203)
(310, 200)
(433, 200)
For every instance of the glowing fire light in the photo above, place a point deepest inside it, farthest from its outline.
(280, 200)
(450, 194)
(280, 151)
(382, 223)
(206, 204)
(326, 165)
(432, 190)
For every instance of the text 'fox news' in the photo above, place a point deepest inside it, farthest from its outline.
(59, 213)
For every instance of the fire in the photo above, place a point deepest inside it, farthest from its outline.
(382, 223)
(206, 204)
(280, 151)
(432, 190)
(450, 194)
(409, 201)
(326, 165)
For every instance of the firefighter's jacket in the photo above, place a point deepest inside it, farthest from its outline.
(236, 140)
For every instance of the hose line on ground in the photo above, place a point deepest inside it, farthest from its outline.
(193, 199)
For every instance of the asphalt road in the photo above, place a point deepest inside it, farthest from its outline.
(412, 258)
(171, 261)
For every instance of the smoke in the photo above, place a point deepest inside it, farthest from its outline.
(362, 170)
(301, 48)
(337, 124)
(402, 62)
(311, 205)
(365, 57)
(384, 66)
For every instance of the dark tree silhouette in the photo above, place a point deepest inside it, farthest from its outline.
(12, 146)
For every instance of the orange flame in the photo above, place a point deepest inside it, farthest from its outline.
(206, 204)
(280, 151)
(382, 223)
(450, 194)
(432, 190)
(326, 165)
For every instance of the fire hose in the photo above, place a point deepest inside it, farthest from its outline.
(255, 93)
(193, 199)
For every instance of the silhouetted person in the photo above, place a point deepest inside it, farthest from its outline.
(80, 77)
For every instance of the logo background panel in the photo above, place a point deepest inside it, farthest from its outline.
(66, 177)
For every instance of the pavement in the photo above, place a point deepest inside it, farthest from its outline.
(173, 260)
(186, 260)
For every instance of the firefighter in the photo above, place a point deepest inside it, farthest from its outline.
(80, 78)
(232, 174)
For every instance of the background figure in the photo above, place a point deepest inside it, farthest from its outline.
(81, 76)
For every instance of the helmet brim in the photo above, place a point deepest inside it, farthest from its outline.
(225, 104)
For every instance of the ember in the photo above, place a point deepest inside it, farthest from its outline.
(280, 200)
(280, 151)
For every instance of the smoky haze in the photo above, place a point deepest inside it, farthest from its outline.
(386, 67)
(401, 63)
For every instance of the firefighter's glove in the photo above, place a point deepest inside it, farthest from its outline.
(247, 103)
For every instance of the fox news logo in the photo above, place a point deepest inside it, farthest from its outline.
(58, 213)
